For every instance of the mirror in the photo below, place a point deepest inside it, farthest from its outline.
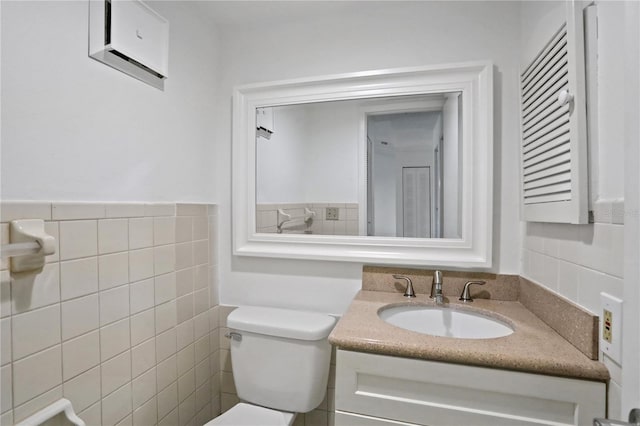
(307, 162)
(391, 166)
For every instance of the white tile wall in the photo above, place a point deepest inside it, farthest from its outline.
(80, 316)
(78, 239)
(113, 270)
(144, 388)
(113, 236)
(147, 414)
(80, 354)
(78, 277)
(84, 389)
(143, 357)
(35, 330)
(140, 233)
(36, 374)
(579, 262)
(119, 320)
(141, 295)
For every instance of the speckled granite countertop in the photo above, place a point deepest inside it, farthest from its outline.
(533, 347)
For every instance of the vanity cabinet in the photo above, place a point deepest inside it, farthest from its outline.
(384, 390)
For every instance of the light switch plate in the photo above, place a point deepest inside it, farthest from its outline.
(611, 327)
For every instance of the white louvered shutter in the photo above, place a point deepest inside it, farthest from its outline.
(554, 136)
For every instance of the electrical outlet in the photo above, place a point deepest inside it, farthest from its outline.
(606, 325)
(332, 213)
(611, 335)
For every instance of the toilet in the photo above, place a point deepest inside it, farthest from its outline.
(280, 360)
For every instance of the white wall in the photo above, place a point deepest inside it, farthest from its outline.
(332, 155)
(280, 159)
(76, 129)
(384, 35)
(384, 184)
(579, 262)
(312, 155)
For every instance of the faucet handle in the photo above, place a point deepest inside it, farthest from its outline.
(466, 295)
(409, 290)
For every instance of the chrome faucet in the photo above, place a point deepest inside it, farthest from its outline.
(466, 295)
(436, 287)
(409, 290)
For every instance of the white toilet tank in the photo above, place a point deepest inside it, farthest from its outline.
(281, 357)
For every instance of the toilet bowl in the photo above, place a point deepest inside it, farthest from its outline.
(280, 360)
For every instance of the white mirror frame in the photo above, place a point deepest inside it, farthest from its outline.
(472, 250)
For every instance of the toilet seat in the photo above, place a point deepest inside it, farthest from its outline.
(243, 414)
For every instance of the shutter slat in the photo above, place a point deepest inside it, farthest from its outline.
(531, 126)
(551, 180)
(550, 189)
(553, 161)
(530, 70)
(552, 74)
(558, 53)
(549, 123)
(555, 133)
(545, 101)
(545, 87)
(550, 198)
(547, 156)
(560, 168)
(555, 143)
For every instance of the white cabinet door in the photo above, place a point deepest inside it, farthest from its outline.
(434, 393)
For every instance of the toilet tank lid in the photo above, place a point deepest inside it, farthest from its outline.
(278, 322)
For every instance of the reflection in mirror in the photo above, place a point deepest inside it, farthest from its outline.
(387, 167)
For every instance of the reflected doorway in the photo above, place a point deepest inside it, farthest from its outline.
(402, 156)
(416, 202)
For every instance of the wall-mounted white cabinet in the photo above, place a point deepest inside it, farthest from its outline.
(384, 390)
(130, 36)
(554, 121)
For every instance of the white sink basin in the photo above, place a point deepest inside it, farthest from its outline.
(447, 322)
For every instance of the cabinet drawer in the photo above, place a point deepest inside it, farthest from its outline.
(350, 419)
(435, 393)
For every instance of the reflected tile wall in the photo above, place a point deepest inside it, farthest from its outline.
(321, 224)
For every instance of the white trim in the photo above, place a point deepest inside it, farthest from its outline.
(473, 250)
(631, 315)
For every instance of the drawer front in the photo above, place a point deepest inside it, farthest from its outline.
(350, 419)
(434, 393)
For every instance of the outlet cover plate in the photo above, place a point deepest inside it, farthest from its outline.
(612, 347)
(332, 213)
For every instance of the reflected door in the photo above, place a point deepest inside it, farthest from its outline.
(416, 202)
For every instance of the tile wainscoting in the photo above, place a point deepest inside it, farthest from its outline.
(579, 262)
(122, 320)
